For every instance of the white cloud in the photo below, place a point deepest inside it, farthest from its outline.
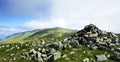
(78, 13)
(73, 14)
(40, 24)
(5, 30)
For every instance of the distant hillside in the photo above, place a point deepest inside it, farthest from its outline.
(36, 35)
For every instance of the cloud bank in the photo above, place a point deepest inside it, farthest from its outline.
(73, 14)
(77, 13)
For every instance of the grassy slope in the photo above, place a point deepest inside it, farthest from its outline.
(35, 35)
(52, 34)
(17, 38)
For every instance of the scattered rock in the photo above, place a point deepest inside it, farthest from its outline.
(67, 58)
(86, 60)
(84, 52)
(57, 55)
(94, 47)
(72, 52)
(101, 57)
(38, 57)
(64, 56)
(32, 51)
(4, 59)
(14, 59)
(12, 54)
(50, 57)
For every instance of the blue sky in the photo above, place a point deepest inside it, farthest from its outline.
(23, 15)
(16, 12)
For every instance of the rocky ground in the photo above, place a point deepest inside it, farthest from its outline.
(87, 45)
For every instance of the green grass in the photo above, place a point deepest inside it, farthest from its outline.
(50, 34)
(78, 56)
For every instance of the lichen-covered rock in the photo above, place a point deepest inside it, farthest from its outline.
(101, 57)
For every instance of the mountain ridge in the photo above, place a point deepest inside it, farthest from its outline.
(36, 35)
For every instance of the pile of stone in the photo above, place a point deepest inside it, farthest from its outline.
(95, 38)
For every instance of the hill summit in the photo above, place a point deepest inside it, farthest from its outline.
(90, 44)
(91, 37)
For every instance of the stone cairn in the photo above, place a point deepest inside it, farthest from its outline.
(91, 36)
